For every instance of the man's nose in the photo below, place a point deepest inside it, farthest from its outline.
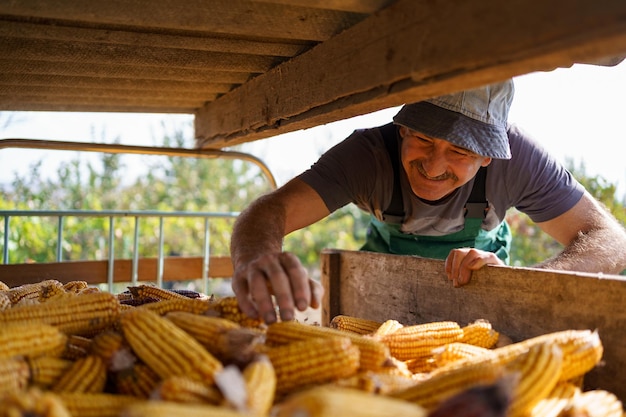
(435, 164)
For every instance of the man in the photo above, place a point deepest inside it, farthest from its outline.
(438, 182)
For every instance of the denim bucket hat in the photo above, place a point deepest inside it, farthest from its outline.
(473, 119)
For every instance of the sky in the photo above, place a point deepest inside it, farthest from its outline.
(576, 113)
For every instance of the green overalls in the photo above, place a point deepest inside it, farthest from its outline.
(386, 237)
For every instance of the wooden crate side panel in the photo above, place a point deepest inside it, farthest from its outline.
(519, 302)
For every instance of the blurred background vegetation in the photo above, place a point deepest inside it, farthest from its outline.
(198, 185)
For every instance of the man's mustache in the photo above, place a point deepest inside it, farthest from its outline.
(443, 177)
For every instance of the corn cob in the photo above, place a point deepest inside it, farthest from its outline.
(430, 392)
(456, 351)
(138, 380)
(539, 370)
(178, 352)
(480, 333)
(113, 349)
(311, 361)
(373, 353)
(29, 291)
(4, 287)
(51, 291)
(423, 365)
(32, 402)
(378, 383)
(30, 339)
(5, 301)
(410, 342)
(225, 339)
(260, 379)
(76, 347)
(189, 305)
(88, 374)
(14, 375)
(595, 403)
(82, 315)
(388, 327)
(185, 390)
(46, 370)
(75, 286)
(150, 291)
(354, 324)
(557, 401)
(170, 409)
(96, 404)
(335, 401)
(228, 308)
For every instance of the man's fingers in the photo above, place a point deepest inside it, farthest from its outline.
(240, 288)
(298, 278)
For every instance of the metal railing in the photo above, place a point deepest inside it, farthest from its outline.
(113, 214)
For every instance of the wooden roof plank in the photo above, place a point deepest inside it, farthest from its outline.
(200, 42)
(58, 51)
(413, 51)
(233, 17)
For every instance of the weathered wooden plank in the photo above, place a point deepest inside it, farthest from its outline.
(105, 70)
(519, 302)
(74, 52)
(359, 6)
(254, 19)
(411, 51)
(200, 42)
(96, 272)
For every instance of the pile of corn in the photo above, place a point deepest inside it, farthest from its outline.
(72, 350)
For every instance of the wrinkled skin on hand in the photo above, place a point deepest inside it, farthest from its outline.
(275, 278)
(461, 262)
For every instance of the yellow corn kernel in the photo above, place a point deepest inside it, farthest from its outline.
(30, 291)
(186, 390)
(170, 409)
(388, 327)
(480, 333)
(86, 374)
(84, 314)
(32, 402)
(374, 354)
(557, 401)
(431, 392)
(96, 404)
(46, 370)
(313, 361)
(50, 291)
(5, 301)
(107, 344)
(150, 291)
(75, 286)
(423, 365)
(14, 375)
(595, 403)
(354, 324)
(410, 342)
(538, 370)
(190, 305)
(30, 339)
(166, 348)
(260, 379)
(456, 351)
(137, 380)
(228, 308)
(337, 401)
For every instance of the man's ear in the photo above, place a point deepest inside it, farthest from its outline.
(486, 162)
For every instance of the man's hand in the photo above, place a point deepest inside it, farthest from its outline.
(280, 275)
(461, 262)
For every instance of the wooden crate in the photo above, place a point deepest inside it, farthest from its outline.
(519, 302)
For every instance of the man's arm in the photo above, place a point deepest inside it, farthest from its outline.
(261, 269)
(594, 240)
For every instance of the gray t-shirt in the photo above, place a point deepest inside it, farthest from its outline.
(358, 170)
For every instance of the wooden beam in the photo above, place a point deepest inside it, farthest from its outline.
(411, 51)
(518, 302)
(96, 272)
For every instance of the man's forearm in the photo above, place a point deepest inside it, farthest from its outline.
(595, 251)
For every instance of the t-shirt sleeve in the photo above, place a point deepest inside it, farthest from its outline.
(352, 172)
(536, 182)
